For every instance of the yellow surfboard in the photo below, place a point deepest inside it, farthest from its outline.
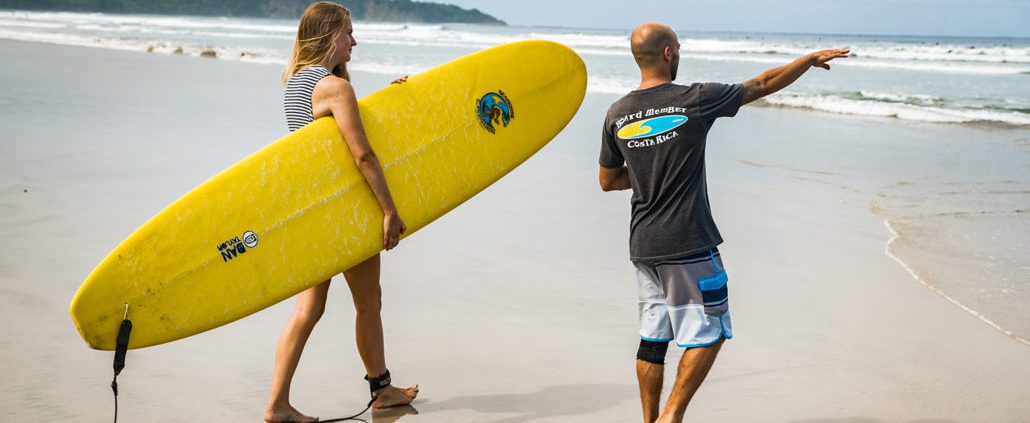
(298, 211)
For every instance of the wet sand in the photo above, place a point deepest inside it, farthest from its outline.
(519, 306)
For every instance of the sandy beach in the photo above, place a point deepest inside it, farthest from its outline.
(518, 306)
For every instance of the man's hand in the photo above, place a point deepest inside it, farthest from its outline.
(821, 57)
(776, 79)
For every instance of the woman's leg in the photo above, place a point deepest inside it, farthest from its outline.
(363, 280)
(310, 306)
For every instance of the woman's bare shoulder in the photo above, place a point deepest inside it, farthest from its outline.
(333, 84)
(331, 94)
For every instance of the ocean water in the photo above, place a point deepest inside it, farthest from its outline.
(929, 79)
(957, 207)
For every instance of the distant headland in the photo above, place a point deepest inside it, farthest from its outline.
(364, 10)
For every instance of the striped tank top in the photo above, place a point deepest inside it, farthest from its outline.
(297, 95)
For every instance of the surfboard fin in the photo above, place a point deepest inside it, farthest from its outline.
(121, 347)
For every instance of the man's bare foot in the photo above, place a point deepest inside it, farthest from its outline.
(286, 414)
(392, 396)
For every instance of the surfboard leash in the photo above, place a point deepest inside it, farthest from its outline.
(374, 384)
(121, 347)
(354, 417)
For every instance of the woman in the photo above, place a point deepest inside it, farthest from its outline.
(317, 84)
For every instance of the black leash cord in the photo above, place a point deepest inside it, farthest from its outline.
(374, 384)
(354, 417)
(121, 347)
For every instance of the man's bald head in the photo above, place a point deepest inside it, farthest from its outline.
(649, 41)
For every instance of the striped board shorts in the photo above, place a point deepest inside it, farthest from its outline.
(684, 300)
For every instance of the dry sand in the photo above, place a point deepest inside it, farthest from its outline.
(519, 306)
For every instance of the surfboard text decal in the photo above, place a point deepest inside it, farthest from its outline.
(236, 246)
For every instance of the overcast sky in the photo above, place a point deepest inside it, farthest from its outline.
(1010, 18)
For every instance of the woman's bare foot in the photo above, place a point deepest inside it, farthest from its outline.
(287, 414)
(392, 396)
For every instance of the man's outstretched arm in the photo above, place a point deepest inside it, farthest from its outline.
(776, 79)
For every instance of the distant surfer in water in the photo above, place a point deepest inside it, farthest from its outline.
(653, 142)
(317, 85)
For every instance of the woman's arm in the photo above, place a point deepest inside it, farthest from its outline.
(336, 96)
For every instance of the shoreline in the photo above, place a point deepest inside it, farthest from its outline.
(980, 316)
(872, 190)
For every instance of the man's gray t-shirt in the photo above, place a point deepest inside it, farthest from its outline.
(660, 134)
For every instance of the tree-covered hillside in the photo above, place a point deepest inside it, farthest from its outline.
(370, 10)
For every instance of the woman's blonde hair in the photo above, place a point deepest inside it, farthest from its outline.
(319, 27)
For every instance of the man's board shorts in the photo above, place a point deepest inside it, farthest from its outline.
(684, 300)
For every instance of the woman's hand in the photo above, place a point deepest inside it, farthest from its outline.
(400, 80)
(393, 227)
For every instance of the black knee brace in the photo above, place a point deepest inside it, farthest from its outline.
(652, 352)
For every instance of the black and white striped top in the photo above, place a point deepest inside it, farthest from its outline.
(297, 95)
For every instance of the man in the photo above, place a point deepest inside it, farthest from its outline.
(654, 142)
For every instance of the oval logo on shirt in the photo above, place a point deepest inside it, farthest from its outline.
(651, 127)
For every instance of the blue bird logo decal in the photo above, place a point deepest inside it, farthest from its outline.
(494, 109)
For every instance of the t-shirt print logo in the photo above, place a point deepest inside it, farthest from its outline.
(651, 127)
